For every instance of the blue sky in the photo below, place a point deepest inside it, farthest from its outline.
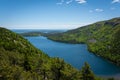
(55, 14)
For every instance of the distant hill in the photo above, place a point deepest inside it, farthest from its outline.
(20, 60)
(102, 38)
(41, 33)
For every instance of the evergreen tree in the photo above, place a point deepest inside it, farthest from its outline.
(87, 74)
(57, 66)
(26, 63)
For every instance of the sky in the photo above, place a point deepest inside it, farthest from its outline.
(55, 14)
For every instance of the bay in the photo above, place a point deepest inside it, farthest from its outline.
(76, 55)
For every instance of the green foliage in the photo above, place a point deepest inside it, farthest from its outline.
(19, 60)
(32, 34)
(102, 38)
(111, 79)
(116, 42)
(87, 74)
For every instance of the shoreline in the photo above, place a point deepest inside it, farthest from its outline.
(116, 76)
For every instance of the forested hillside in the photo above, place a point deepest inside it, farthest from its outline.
(19, 60)
(102, 38)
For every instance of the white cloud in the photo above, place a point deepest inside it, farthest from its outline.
(60, 3)
(116, 1)
(96, 10)
(68, 2)
(81, 1)
(99, 10)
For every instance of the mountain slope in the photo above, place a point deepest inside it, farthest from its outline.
(102, 38)
(19, 60)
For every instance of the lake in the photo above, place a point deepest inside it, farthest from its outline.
(76, 55)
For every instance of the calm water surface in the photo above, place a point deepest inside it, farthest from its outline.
(75, 54)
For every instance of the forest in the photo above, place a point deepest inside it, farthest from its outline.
(101, 37)
(20, 60)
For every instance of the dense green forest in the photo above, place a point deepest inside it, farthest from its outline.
(20, 60)
(102, 38)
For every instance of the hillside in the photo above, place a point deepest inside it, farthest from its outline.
(101, 37)
(20, 60)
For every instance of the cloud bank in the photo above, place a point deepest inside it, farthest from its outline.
(70, 1)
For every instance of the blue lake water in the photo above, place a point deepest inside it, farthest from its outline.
(75, 54)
